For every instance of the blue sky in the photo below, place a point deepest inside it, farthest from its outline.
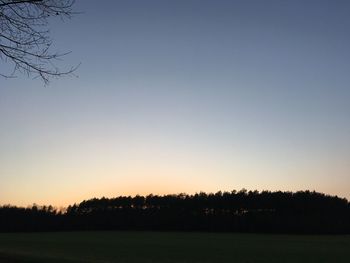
(183, 96)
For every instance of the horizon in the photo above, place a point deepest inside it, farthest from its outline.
(64, 207)
(183, 97)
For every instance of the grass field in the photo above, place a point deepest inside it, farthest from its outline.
(170, 247)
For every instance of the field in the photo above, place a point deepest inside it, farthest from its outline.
(170, 247)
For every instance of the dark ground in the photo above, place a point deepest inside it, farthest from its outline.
(170, 247)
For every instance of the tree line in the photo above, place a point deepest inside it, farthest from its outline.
(302, 212)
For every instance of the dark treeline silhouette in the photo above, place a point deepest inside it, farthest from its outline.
(302, 212)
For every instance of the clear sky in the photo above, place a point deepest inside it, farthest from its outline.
(183, 96)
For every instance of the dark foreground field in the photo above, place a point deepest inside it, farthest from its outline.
(170, 247)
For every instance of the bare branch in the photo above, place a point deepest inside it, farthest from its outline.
(18, 2)
(24, 36)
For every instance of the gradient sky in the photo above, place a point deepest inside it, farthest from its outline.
(183, 96)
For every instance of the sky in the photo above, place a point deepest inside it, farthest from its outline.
(183, 96)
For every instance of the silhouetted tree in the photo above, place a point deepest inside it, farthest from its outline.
(24, 36)
(242, 211)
